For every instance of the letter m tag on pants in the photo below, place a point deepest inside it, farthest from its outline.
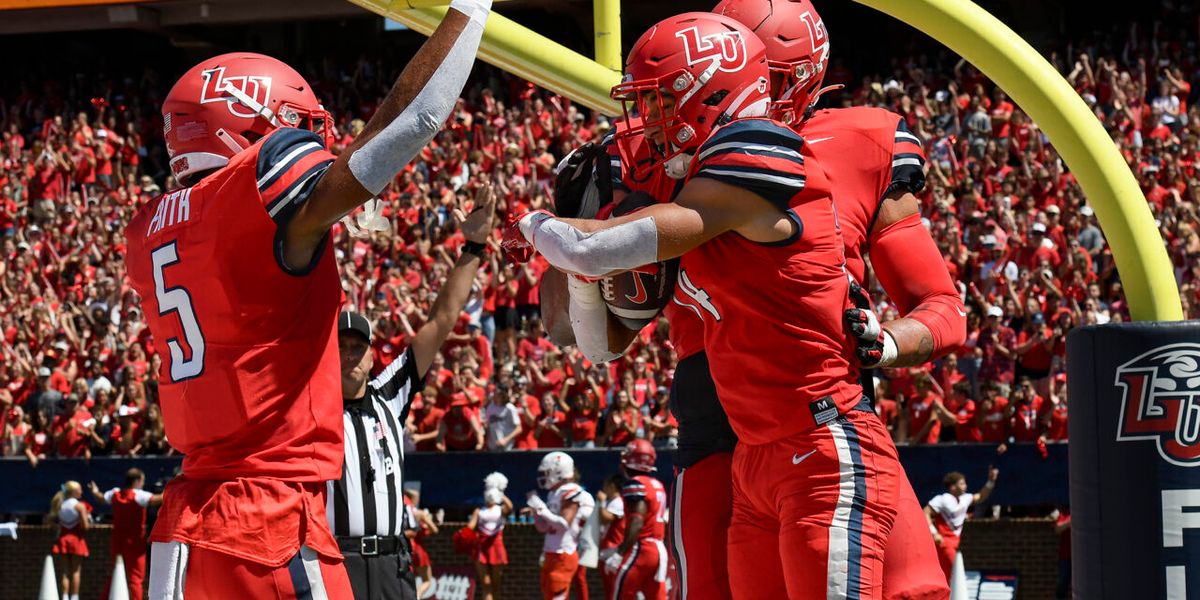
(823, 410)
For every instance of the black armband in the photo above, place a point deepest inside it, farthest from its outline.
(474, 248)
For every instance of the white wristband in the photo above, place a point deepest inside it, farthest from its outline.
(890, 351)
(477, 10)
(584, 292)
(589, 320)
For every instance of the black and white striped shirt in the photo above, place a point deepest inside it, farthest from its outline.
(376, 423)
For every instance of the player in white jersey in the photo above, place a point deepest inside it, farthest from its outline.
(561, 517)
(948, 511)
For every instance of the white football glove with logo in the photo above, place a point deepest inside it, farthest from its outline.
(613, 563)
(876, 347)
(367, 221)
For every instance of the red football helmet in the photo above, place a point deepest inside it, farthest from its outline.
(224, 104)
(712, 67)
(797, 46)
(639, 456)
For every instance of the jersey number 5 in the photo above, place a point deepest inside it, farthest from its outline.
(178, 301)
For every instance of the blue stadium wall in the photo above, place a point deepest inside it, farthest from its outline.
(455, 480)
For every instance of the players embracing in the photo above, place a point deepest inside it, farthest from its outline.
(876, 188)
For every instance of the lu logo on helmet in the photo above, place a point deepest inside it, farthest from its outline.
(216, 86)
(1161, 401)
(726, 47)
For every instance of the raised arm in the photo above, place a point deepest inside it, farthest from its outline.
(410, 115)
(983, 494)
(453, 295)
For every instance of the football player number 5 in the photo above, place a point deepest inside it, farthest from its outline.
(178, 301)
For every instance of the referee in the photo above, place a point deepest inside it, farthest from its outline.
(366, 506)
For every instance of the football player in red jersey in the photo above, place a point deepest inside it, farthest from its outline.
(875, 165)
(815, 474)
(239, 283)
(639, 564)
(797, 51)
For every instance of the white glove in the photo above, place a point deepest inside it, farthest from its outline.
(535, 502)
(613, 563)
(369, 220)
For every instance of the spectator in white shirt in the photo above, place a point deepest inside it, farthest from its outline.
(948, 511)
(503, 421)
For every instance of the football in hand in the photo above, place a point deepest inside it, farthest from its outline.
(636, 297)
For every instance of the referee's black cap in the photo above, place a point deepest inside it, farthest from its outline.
(352, 321)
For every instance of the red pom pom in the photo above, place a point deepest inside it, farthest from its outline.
(465, 541)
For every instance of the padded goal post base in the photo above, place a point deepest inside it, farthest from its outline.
(1134, 398)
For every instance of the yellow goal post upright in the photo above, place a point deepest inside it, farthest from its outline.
(534, 57)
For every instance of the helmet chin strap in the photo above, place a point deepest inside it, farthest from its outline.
(700, 81)
(252, 104)
(228, 140)
(812, 103)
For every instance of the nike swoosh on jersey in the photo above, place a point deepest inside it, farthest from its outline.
(797, 459)
(815, 140)
(961, 312)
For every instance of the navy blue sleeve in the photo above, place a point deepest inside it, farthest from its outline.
(757, 155)
(908, 161)
(290, 163)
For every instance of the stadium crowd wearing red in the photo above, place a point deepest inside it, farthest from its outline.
(79, 372)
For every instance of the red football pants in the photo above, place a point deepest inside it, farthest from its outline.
(812, 512)
(135, 572)
(579, 585)
(702, 503)
(214, 575)
(947, 553)
(910, 563)
(643, 570)
(701, 507)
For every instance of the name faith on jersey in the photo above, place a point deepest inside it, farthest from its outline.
(173, 209)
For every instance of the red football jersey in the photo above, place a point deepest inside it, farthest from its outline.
(778, 349)
(866, 153)
(687, 330)
(251, 388)
(648, 489)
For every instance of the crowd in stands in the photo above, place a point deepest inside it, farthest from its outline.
(79, 370)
